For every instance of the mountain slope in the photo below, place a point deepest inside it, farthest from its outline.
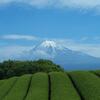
(69, 59)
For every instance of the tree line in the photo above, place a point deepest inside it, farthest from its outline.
(17, 68)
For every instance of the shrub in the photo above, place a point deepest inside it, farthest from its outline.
(6, 87)
(88, 84)
(39, 87)
(19, 91)
(97, 72)
(2, 82)
(62, 87)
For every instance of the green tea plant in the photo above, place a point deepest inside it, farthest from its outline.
(19, 90)
(39, 87)
(62, 87)
(88, 84)
(7, 86)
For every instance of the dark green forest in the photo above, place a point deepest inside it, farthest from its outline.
(17, 68)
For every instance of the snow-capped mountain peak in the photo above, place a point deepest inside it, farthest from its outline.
(61, 55)
(48, 44)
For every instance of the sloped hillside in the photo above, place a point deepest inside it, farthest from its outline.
(52, 86)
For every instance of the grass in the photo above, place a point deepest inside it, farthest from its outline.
(62, 87)
(19, 90)
(39, 87)
(88, 84)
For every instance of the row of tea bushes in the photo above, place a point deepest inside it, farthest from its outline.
(88, 84)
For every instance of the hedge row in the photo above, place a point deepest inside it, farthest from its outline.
(77, 85)
(39, 87)
(2, 82)
(19, 91)
(97, 72)
(6, 86)
(62, 87)
(88, 84)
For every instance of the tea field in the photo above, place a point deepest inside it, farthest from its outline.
(76, 85)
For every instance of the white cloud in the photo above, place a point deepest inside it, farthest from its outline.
(36, 3)
(84, 4)
(81, 3)
(92, 49)
(8, 52)
(18, 37)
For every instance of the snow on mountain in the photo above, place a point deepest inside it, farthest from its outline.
(67, 58)
(48, 44)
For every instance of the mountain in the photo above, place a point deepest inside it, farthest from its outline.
(58, 53)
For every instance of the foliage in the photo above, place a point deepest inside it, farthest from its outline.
(17, 68)
(39, 87)
(19, 91)
(6, 86)
(88, 84)
(62, 87)
(79, 85)
(97, 72)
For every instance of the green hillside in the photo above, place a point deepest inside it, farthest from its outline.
(79, 85)
(12, 68)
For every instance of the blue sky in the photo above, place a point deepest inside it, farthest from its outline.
(48, 22)
(74, 23)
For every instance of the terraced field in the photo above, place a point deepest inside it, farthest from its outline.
(52, 86)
